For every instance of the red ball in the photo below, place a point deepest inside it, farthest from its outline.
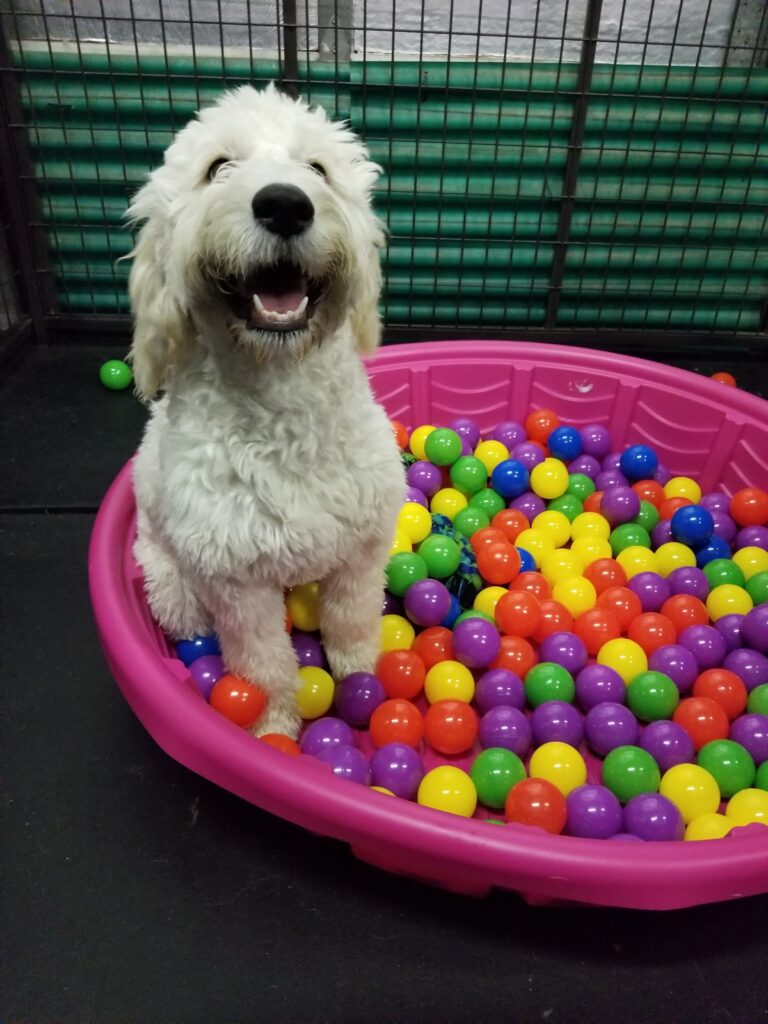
(401, 673)
(555, 618)
(537, 802)
(515, 654)
(401, 434)
(649, 490)
(498, 563)
(486, 537)
(669, 506)
(623, 602)
(724, 378)
(396, 721)
(702, 719)
(533, 583)
(433, 645)
(724, 688)
(605, 573)
(685, 610)
(540, 423)
(596, 627)
(511, 522)
(518, 613)
(651, 631)
(749, 506)
(592, 501)
(238, 700)
(450, 726)
(281, 742)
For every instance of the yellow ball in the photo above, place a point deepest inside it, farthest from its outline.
(751, 560)
(302, 605)
(560, 564)
(588, 549)
(535, 543)
(487, 600)
(728, 599)
(397, 634)
(417, 441)
(447, 788)
(491, 453)
(590, 524)
(576, 594)
(748, 806)
(549, 479)
(558, 763)
(556, 526)
(673, 555)
(683, 487)
(447, 502)
(382, 789)
(415, 521)
(402, 541)
(449, 680)
(315, 695)
(708, 826)
(623, 656)
(635, 559)
(691, 789)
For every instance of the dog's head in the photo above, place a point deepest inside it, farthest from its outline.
(258, 236)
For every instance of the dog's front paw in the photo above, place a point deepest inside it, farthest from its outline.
(282, 717)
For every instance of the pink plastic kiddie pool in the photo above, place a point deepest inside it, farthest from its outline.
(698, 427)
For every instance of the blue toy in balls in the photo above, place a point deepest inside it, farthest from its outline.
(692, 525)
(510, 479)
(715, 547)
(565, 443)
(638, 462)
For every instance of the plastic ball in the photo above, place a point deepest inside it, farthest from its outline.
(467, 429)
(398, 769)
(757, 588)
(629, 771)
(556, 720)
(529, 453)
(576, 594)
(516, 654)
(560, 564)
(590, 524)
(417, 442)
(442, 446)
(279, 741)
(357, 696)
(668, 744)
(751, 731)
(396, 721)
(684, 610)
(540, 423)
(568, 505)
(652, 631)
(708, 826)
(555, 618)
(754, 629)
(555, 525)
(724, 688)
(315, 695)
(451, 726)
(652, 589)
(619, 504)
(751, 560)
(702, 719)
(414, 521)
(587, 550)
(598, 684)
(537, 802)
(723, 570)
(652, 696)
(510, 478)
(498, 563)
(673, 555)
(624, 604)
(491, 453)
(449, 680)
(441, 554)
(593, 812)
(648, 517)
(511, 523)
(476, 643)
(761, 776)
(499, 686)
(468, 474)
(302, 605)
(565, 443)
(494, 772)
(715, 548)
(549, 479)
(488, 501)
(678, 663)
(397, 633)
(729, 764)
(609, 725)
(238, 700)
(403, 570)
(196, 647)
(206, 672)
(596, 440)
(638, 462)
(115, 375)
(728, 599)
(606, 574)
(682, 487)
(564, 648)
(688, 579)
(447, 502)
(653, 818)
(625, 657)
(757, 703)
(447, 788)
(508, 727)
(558, 763)
(347, 762)
(705, 643)
(749, 506)
(532, 583)
(748, 806)
(692, 525)
(548, 681)
(427, 602)
(424, 476)
(750, 666)
(518, 613)
(509, 433)
(469, 520)
(325, 732)
(400, 542)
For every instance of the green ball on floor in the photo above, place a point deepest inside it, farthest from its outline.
(115, 375)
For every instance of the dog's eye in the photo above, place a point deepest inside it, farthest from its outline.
(319, 169)
(215, 167)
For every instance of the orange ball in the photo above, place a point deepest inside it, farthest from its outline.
(724, 378)
(401, 434)
(537, 802)
(434, 645)
(623, 602)
(281, 742)
(486, 537)
(540, 423)
(749, 506)
(592, 501)
(518, 613)
(401, 673)
(511, 522)
(649, 490)
(724, 688)
(451, 726)
(702, 719)
(669, 506)
(555, 618)
(238, 700)
(533, 583)
(396, 721)
(651, 631)
(596, 627)
(498, 563)
(685, 610)
(605, 573)
(515, 654)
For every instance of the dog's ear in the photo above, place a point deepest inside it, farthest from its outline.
(366, 322)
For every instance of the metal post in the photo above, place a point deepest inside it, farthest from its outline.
(334, 19)
(290, 72)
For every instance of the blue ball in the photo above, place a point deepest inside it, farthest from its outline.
(453, 613)
(565, 443)
(715, 547)
(692, 525)
(196, 647)
(638, 462)
(527, 561)
(510, 479)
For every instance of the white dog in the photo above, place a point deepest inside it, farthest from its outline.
(267, 462)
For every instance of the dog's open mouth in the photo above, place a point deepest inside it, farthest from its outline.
(279, 298)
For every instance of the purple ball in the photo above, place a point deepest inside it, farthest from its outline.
(609, 480)
(506, 727)
(625, 837)
(593, 812)
(497, 687)
(425, 476)
(705, 643)
(750, 666)
(427, 602)
(466, 447)
(687, 579)
(678, 663)
(653, 818)
(668, 744)
(619, 504)
(467, 430)
(391, 605)
(509, 434)
(529, 504)
(476, 643)
(347, 762)
(752, 537)
(557, 720)
(599, 684)
(608, 726)
(528, 453)
(661, 533)
(729, 628)
(723, 526)
(596, 440)
(716, 501)
(326, 732)
(206, 672)
(754, 629)
(357, 697)
(308, 649)
(652, 589)
(611, 461)
(751, 731)
(564, 648)
(397, 767)
(662, 475)
(587, 465)
(414, 494)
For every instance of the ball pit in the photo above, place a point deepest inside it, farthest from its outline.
(712, 439)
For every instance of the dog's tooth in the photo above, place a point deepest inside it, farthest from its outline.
(258, 304)
(302, 306)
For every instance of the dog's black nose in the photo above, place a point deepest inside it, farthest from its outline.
(283, 209)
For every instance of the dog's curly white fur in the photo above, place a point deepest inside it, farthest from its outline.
(266, 463)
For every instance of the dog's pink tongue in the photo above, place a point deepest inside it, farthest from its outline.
(285, 302)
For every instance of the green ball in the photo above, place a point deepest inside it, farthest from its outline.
(472, 613)
(568, 504)
(730, 765)
(489, 501)
(629, 535)
(494, 821)
(115, 375)
(494, 772)
(403, 569)
(652, 696)
(648, 516)
(441, 554)
(761, 776)
(468, 474)
(757, 702)
(580, 486)
(549, 681)
(757, 587)
(469, 520)
(629, 771)
(723, 570)
(443, 446)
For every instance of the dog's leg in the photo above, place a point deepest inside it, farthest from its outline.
(250, 623)
(350, 615)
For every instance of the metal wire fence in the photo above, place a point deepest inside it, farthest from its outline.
(553, 168)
